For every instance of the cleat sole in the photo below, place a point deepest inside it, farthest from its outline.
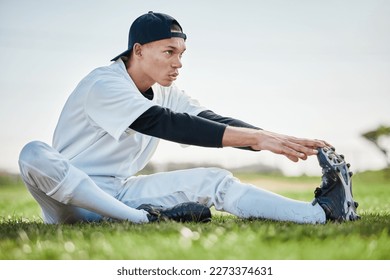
(331, 160)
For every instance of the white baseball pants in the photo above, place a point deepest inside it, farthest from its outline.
(66, 194)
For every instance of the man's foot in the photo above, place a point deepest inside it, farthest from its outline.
(183, 212)
(335, 193)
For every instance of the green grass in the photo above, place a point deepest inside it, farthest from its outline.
(23, 235)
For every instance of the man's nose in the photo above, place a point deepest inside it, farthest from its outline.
(177, 63)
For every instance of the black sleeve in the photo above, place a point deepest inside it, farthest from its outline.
(179, 127)
(210, 115)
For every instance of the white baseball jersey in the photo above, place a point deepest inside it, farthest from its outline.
(93, 130)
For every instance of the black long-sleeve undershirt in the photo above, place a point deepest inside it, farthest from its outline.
(210, 115)
(204, 130)
(183, 128)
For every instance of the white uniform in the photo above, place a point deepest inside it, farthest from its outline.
(89, 172)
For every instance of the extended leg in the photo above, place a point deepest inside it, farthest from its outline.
(217, 187)
(247, 201)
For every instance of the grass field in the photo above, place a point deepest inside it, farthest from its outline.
(23, 236)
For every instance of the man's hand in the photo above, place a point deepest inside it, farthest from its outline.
(292, 147)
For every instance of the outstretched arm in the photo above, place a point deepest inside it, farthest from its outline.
(195, 130)
(292, 147)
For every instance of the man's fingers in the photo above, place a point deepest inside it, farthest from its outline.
(314, 144)
(294, 159)
(292, 147)
(301, 151)
(291, 150)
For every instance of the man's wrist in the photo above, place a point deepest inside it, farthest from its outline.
(240, 137)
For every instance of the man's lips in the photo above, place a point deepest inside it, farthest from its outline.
(173, 76)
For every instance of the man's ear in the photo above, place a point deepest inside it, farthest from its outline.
(137, 50)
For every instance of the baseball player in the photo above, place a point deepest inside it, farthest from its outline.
(110, 127)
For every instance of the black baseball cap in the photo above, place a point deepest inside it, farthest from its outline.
(151, 27)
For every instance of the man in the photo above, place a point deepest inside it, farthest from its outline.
(110, 127)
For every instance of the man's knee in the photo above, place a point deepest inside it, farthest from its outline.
(32, 152)
(42, 165)
(218, 173)
(219, 180)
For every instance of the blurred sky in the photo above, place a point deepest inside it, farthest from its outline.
(316, 69)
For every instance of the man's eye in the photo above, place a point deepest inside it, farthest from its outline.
(169, 52)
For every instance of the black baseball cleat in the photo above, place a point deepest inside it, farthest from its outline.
(335, 193)
(183, 212)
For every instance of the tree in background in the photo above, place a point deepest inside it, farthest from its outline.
(381, 139)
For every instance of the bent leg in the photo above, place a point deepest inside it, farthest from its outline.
(65, 193)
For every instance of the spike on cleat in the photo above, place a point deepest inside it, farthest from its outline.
(350, 173)
(348, 165)
(356, 204)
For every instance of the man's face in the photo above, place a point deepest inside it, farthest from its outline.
(161, 60)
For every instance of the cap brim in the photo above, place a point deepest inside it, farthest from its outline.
(125, 53)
